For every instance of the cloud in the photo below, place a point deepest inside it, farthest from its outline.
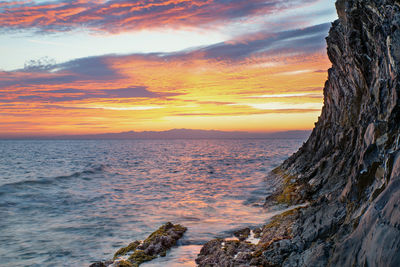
(217, 83)
(307, 40)
(127, 108)
(289, 95)
(125, 15)
(137, 75)
(295, 72)
(40, 72)
(282, 106)
(64, 95)
(250, 112)
(100, 68)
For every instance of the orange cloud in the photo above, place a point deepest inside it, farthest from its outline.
(123, 15)
(250, 86)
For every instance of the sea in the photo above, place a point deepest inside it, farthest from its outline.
(74, 202)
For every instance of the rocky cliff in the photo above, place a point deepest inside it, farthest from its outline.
(349, 169)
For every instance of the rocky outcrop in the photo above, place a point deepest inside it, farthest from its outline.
(250, 249)
(349, 169)
(156, 245)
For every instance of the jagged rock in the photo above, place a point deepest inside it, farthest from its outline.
(219, 252)
(156, 245)
(242, 234)
(349, 168)
(375, 241)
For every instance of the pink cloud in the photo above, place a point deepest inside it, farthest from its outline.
(123, 15)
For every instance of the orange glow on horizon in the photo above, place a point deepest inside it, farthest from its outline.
(261, 94)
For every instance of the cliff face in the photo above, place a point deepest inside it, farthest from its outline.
(359, 124)
(351, 163)
(349, 169)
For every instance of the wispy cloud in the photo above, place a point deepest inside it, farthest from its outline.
(124, 15)
(66, 95)
(295, 72)
(306, 40)
(287, 95)
(283, 106)
(126, 108)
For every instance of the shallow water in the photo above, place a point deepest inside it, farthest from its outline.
(69, 203)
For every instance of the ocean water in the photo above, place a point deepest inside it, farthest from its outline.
(70, 203)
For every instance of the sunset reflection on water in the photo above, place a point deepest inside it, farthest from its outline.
(213, 187)
(114, 192)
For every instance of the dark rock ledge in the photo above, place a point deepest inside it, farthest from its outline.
(137, 252)
(251, 244)
(349, 169)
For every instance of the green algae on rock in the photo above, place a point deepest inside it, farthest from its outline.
(156, 245)
(140, 256)
(124, 263)
(290, 190)
(123, 251)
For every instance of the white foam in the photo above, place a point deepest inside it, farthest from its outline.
(252, 239)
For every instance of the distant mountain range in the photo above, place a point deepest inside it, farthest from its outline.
(178, 134)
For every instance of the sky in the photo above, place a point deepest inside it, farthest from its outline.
(97, 66)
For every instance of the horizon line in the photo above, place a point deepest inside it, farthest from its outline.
(181, 133)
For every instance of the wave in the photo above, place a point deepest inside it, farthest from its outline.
(12, 187)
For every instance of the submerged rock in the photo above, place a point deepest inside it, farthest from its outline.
(349, 168)
(156, 245)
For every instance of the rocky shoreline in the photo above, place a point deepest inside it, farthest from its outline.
(347, 175)
(349, 169)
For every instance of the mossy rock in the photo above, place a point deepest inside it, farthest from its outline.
(279, 228)
(139, 256)
(157, 244)
(289, 194)
(123, 251)
(163, 239)
(277, 220)
(164, 230)
(124, 263)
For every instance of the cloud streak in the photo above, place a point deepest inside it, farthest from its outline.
(123, 15)
(307, 40)
(100, 69)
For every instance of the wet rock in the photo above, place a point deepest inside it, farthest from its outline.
(98, 264)
(156, 245)
(123, 251)
(242, 234)
(257, 232)
(220, 252)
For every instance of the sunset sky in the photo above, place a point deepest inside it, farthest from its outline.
(97, 66)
